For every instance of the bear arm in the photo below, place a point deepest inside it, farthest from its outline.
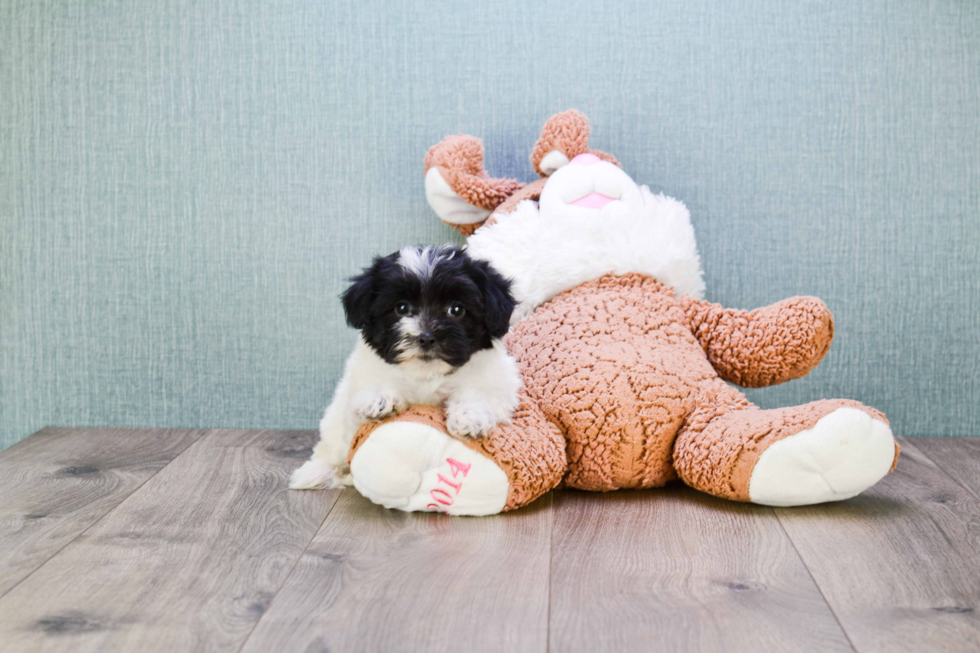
(764, 347)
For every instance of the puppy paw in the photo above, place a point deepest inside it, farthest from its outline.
(318, 474)
(378, 405)
(466, 421)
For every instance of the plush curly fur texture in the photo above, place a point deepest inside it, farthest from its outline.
(460, 161)
(636, 388)
(566, 132)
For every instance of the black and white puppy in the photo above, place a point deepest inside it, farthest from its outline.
(431, 322)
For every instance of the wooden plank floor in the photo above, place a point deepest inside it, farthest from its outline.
(178, 540)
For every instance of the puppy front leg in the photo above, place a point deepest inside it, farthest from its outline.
(483, 394)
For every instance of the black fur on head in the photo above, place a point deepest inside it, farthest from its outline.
(429, 303)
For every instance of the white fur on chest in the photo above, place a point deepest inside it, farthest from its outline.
(417, 382)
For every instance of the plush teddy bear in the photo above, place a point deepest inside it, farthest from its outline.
(623, 364)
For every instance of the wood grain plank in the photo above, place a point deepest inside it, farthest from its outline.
(382, 580)
(899, 563)
(59, 481)
(677, 570)
(189, 562)
(958, 457)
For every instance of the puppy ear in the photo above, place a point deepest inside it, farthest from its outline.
(497, 299)
(357, 299)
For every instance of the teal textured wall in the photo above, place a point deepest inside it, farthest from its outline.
(185, 186)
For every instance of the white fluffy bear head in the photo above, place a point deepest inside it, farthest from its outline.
(591, 219)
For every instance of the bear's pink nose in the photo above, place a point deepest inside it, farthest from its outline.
(586, 159)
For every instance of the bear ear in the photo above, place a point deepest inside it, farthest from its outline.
(357, 299)
(498, 301)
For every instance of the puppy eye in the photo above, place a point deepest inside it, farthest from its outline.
(403, 309)
(456, 310)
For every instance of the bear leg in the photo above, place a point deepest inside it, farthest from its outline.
(458, 188)
(564, 136)
(800, 455)
(410, 462)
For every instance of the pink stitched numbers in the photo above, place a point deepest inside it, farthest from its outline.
(442, 498)
(458, 467)
(455, 486)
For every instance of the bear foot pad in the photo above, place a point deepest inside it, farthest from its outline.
(413, 467)
(843, 454)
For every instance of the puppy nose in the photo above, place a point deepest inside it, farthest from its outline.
(427, 339)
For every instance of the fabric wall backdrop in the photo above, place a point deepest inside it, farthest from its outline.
(184, 187)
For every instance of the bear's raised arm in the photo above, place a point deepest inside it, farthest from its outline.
(759, 348)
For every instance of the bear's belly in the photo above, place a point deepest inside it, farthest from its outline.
(612, 363)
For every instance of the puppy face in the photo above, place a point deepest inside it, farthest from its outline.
(429, 306)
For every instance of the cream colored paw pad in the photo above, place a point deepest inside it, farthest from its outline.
(414, 467)
(843, 454)
(447, 204)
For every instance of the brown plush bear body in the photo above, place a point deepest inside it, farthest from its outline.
(612, 363)
(618, 365)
